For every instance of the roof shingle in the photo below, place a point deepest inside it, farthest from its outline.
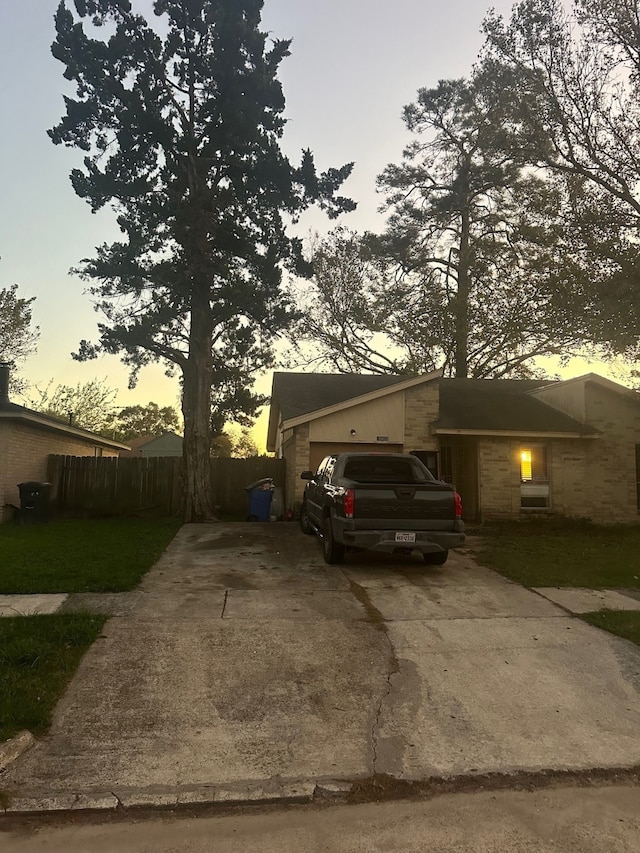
(303, 393)
(501, 404)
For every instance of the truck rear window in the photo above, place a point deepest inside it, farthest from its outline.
(381, 470)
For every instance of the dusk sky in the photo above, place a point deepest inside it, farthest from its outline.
(354, 64)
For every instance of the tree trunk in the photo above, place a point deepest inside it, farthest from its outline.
(196, 409)
(462, 302)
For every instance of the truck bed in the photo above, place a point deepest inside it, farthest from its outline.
(381, 502)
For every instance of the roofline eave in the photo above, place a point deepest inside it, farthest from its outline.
(64, 428)
(514, 433)
(595, 379)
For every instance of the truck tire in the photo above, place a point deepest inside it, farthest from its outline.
(305, 524)
(333, 551)
(439, 558)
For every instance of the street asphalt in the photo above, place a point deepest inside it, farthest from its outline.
(244, 668)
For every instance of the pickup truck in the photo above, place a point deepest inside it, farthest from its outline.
(386, 502)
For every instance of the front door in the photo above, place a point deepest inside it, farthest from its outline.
(459, 466)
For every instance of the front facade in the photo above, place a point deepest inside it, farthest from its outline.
(390, 415)
(512, 448)
(28, 438)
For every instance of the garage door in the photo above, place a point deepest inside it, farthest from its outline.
(319, 449)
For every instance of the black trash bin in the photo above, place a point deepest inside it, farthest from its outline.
(34, 502)
(259, 495)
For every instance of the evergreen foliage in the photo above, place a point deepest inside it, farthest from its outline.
(180, 120)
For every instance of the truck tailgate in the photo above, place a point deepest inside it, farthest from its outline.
(387, 505)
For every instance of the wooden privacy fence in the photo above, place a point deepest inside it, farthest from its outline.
(230, 476)
(110, 486)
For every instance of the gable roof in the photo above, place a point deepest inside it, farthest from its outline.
(502, 405)
(167, 433)
(301, 393)
(140, 444)
(139, 441)
(142, 440)
(300, 397)
(602, 382)
(471, 406)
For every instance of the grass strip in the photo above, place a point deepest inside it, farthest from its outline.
(81, 555)
(623, 623)
(38, 656)
(563, 553)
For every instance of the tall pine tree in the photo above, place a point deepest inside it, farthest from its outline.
(181, 121)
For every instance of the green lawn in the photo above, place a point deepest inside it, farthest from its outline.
(103, 555)
(38, 656)
(571, 554)
(624, 623)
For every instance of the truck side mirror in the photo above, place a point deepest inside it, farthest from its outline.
(307, 475)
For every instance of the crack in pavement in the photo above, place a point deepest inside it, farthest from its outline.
(224, 603)
(395, 663)
(375, 617)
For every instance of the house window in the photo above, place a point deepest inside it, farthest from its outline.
(97, 451)
(534, 477)
(526, 465)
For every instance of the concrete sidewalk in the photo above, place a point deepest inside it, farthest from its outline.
(245, 668)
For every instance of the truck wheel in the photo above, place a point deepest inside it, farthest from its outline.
(305, 524)
(439, 558)
(333, 551)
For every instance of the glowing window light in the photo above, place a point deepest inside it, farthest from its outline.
(526, 464)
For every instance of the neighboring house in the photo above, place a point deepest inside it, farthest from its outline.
(27, 438)
(167, 444)
(511, 447)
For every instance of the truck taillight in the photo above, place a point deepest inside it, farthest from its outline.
(458, 506)
(349, 502)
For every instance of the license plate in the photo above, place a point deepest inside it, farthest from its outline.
(405, 537)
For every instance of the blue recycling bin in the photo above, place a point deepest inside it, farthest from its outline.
(260, 495)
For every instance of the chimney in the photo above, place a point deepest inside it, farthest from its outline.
(4, 382)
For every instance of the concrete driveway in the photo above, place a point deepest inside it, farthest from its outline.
(244, 665)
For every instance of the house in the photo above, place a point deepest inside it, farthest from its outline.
(511, 447)
(167, 444)
(28, 438)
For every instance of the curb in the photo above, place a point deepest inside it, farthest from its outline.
(173, 797)
(376, 788)
(14, 747)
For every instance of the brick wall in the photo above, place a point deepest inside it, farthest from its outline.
(421, 410)
(499, 477)
(611, 465)
(296, 454)
(572, 492)
(596, 478)
(569, 489)
(588, 478)
(24, 450)
(572, 488)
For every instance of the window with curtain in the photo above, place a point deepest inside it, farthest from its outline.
(534, 477)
